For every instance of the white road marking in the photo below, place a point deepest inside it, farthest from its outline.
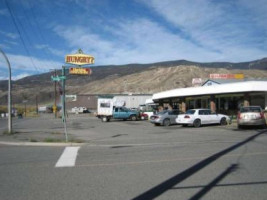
(68, 157)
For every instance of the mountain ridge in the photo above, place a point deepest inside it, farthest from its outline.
(134, 78)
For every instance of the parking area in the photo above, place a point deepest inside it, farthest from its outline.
(89, 129)
(135, 160)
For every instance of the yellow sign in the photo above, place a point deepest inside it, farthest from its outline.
(79, 59)
(239, 76)
(80, 71)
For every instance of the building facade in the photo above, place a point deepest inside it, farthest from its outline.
(90, 101)
(219, 97)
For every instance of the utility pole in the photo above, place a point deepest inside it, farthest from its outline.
(9, 93)
(55, 88)
(25, 107)
(36, 104)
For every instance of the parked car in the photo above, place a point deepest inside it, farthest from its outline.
(143, 116)
(251, 116)
(165, 118)
(78, 110)
(198, 117)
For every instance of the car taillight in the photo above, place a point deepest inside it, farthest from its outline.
(262, 115)
(186, 116)
(239, 115)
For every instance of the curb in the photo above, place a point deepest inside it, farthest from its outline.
(44, 144)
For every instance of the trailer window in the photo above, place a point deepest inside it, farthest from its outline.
(104, 105)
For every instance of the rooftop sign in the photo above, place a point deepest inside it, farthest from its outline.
(226, 76)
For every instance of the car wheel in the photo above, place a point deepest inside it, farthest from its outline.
(104, 119)
(166, 122)
(133, 118)
(223, 121)
(197, 123)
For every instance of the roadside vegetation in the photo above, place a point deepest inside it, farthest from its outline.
(30, 110)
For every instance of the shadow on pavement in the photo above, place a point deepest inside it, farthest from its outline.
(221, 185)
(207, 188)
(170, 183)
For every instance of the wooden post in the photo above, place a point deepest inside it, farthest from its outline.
(246, 99)
(212, 103)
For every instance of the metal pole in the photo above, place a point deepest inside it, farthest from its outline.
(36, 104)
(55, 88)
(9, 93)
(25, 110)
(63, 104)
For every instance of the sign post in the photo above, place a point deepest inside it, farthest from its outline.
(63, 103)
(78, 59)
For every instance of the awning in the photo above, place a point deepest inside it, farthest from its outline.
(247, 86)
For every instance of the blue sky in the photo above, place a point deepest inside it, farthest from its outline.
(37, 34)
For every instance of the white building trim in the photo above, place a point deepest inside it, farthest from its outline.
(241, 87)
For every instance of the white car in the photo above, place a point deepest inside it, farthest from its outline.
(198, 117)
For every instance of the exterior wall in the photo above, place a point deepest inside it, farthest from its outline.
(88, 101)
(132, 101)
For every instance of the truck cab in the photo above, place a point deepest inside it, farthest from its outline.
(125, 113)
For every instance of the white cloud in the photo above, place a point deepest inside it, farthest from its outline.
(11, 42)
(140, 41)
(10, 35)
(229, 28)
(3, 46)
(4, 12)
(20, 63)
(20, 76)
(144, 41)
(47, 48)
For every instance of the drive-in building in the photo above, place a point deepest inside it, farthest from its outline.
(218, 95)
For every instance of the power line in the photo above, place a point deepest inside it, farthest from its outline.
(22, 40)
(41, 36)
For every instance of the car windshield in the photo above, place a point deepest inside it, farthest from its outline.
(190, 112)
(250, 109)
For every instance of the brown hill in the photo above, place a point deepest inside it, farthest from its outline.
(132, 78)
(158, 79)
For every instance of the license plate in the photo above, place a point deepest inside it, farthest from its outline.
(250, 117)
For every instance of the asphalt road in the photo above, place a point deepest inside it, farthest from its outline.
(135, 160)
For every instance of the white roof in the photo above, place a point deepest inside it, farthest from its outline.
(149, 101)
(247, 86)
